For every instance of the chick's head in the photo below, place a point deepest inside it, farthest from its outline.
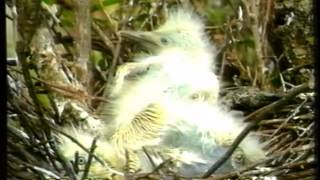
(182, 30)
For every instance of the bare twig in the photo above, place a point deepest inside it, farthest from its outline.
(65, 163)
(263, 161)
(309, 173)
(104, 38)
(290, 117)
(67, 90)
(157, 169)
(262, 112)
(78, 143)
(230, 150)
(255, 117)
(114, 60)
(149, 157)
(38, 169)
(88, 163)
(252, 9)
(83, 44)
(283, 141)
(109, 20)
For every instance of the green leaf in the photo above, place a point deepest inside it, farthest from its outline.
(67, 18)
(44, 100)
(217, 16)
(49, 2)
(98, 60)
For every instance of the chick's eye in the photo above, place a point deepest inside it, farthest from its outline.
(164, 41)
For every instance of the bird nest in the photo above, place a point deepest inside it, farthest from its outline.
(47, 91)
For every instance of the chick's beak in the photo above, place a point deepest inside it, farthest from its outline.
(146, 40)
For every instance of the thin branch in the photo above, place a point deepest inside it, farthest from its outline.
(104, 38)
(290, 117)
(263, 161)
(88, 164)
(114, 61)
(255, 117)
(83, 44)
(78, 143)
(230, 150)
(67, 90)
(264, 111)
(65, 163)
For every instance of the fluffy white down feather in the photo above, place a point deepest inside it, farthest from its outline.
(178, 75)
(178, 70)
(204, 132)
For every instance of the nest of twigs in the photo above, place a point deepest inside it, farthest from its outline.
(51, 86)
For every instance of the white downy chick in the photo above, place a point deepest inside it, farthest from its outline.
(180, 65)
(181, 57)
(175, 97)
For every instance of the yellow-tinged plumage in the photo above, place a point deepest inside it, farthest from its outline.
(143, 130)
(172, 107)
(180, 66)
(181, 56)
(112, 163)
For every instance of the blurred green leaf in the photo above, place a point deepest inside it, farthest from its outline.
(248, 41)
(98, 60)
(49, 2)
(33, 75)
(219, 16)
(97, 7)
(44, 100)
(67, 18)
(310, 40)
